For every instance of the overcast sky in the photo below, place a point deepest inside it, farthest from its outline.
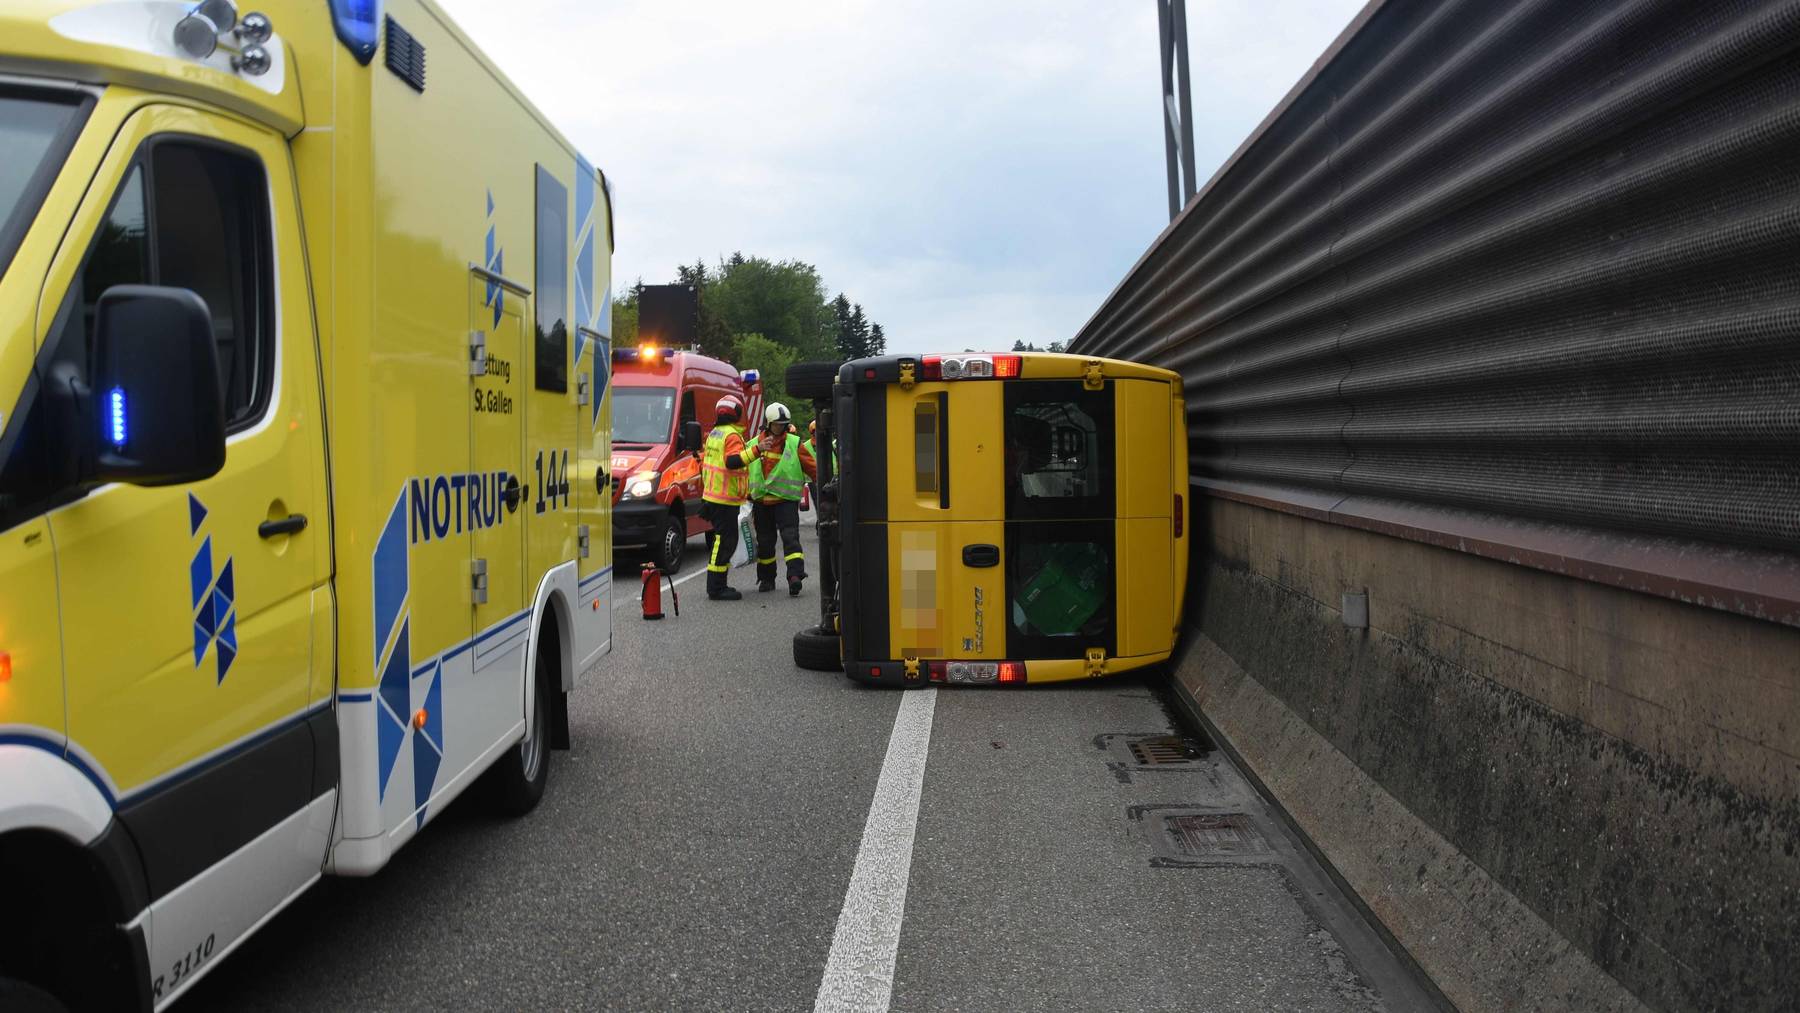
(971, 171)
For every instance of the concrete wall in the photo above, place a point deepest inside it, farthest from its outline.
(1526, 776)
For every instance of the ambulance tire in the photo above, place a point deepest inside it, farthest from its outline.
(516, 781)
(674, 542)
(818, 650)
(812, 380)
(22, 997)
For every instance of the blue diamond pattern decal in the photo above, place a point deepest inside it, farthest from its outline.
(200, 573)
(210, 598)
(227, 655)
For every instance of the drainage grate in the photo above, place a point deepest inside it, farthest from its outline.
(1214, 835)
(1164, 751)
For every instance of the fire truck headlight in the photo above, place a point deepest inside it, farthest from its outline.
(641, 486)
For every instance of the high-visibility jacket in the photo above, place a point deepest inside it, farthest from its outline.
(812, 449)
(722, 483)
(781, 476)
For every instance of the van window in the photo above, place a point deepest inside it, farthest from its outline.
(552, 295)
(1058, 434)
(1060, 582)
(687, 408)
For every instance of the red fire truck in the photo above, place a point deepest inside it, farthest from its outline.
(656, 392)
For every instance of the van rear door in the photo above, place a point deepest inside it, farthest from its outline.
(1061, 476)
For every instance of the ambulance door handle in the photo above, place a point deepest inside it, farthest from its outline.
(291, 524)
(513, 493)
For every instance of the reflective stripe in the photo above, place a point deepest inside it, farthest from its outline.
(716, 568)
(771, 559)
(722, 485)
(790, 557)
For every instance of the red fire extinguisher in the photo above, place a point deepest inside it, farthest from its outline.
(651, 595)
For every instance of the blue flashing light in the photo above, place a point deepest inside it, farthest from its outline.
(115, 400)
(752, 376)
(358, 24)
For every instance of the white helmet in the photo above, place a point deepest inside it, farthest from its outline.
(777, 412)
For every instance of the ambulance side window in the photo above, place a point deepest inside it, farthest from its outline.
(687, 411)
(552, 294)
(189, 214)
(210, 215)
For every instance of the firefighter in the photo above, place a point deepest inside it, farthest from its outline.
(725, 478)
(782, 468)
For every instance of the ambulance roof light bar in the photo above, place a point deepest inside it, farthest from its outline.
(970, 367)
(356, 23)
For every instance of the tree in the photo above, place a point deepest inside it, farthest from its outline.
(625, 317)
(857, 336)
(784, 301)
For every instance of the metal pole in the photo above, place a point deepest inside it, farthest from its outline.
(1189, 183)
(1166, 55)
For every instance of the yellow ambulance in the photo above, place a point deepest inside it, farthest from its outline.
(304, 519)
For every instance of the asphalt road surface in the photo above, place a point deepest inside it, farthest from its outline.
(730, 832)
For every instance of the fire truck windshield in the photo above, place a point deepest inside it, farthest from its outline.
(642, 414)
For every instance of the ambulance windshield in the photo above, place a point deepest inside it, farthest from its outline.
(36, 129)
(642, 414)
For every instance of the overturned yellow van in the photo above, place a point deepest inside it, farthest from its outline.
(1002, 519)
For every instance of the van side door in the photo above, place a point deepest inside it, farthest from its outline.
(188, 610)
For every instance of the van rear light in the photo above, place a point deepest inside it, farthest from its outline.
(970, 367)
(935, 671)
(1012, 673)
(971, 673)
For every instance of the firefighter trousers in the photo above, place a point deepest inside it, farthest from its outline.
(769, 518)
(721, 542)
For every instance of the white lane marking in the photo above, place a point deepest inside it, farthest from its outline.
(678, 582)
(859, 973)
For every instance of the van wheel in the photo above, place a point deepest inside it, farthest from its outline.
(818, 650)
(674, 540)
(812, 380)
(517, 779)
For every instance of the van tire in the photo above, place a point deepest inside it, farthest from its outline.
(516, 781)
(673, 544)
(818, 650)
(812, 380)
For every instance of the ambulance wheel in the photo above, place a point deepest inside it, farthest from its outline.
(517, 779)
(23, 997)
(812, 380)
(674, 540)
(818, 650)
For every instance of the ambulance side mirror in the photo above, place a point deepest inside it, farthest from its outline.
(157, 413)
(690, 437)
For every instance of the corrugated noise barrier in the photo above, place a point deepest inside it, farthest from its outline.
(1534, 258)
